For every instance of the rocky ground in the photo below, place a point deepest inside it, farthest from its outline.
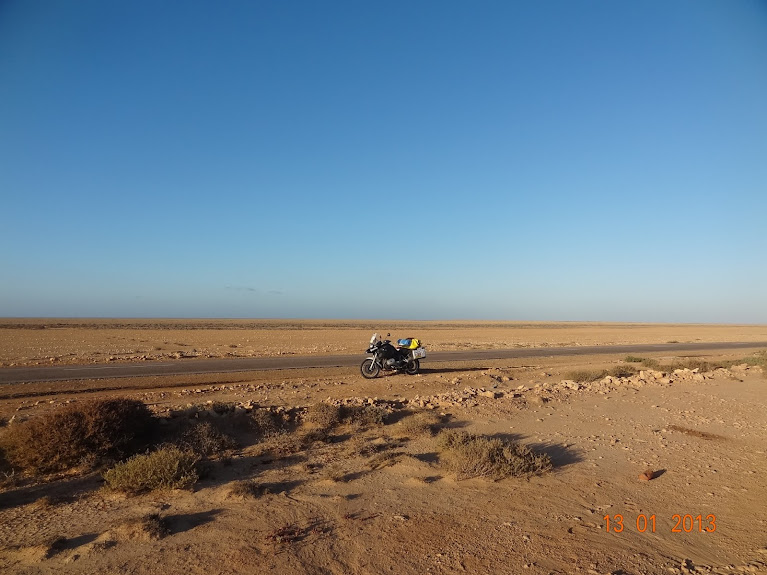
(377, 499)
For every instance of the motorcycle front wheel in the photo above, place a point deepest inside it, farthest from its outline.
(369, 369)
(412, 367)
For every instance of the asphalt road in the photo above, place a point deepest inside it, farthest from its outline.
(196, 366)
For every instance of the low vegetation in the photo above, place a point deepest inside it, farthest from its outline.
(205, 439)
(79, 435)
(759, 359)
(469, 455)
(586, 376)
(246, 488)
(419, 423)
(169, 467)
(149, 527)
(323, 415)
(266, 423)
(363, 416)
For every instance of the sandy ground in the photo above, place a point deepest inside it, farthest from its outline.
(348, 510)
(39, 341)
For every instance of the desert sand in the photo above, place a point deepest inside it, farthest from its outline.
(45, 341)
(376, 500)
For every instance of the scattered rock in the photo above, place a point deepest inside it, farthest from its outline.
(647, 475)
(687, 566)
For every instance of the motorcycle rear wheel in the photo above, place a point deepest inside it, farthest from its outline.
(412, 367)
(369, 369)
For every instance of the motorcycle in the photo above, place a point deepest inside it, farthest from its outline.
(405, 357)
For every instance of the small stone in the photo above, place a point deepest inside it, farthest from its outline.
(687, 566)
(647, 475)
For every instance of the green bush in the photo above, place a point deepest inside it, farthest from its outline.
(469, 455)
(79, 433)
(167, 468)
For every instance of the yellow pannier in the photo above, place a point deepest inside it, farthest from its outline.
(409, 343)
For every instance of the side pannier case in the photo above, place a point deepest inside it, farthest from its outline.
(409, 343)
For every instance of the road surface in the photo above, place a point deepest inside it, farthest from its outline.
(10, 375)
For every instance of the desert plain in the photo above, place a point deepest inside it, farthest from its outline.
(376, 496)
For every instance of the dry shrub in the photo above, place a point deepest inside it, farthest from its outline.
(419, 423)
(323, 415)
(51, 547)
(47, 501)
(645, 361)
(622, 371)
(167, 468)
(335, 472)
(79, 433)
(5, 467)
(361, 446)
(470, 455)
(284, 444)
(246, 488)
(757, 360)
(206, 439)
(147, 528)
(585, 375)
(589, 375)
(266, 423)
(221, 407)
(307, 438)
(362, 416)
(385, 459)
(694, 363)
(702, 365)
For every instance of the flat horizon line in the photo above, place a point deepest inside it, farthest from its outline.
(369, 320)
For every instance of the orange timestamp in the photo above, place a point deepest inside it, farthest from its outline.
(687, 523)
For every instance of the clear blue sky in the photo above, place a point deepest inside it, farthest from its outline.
(553, 160)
